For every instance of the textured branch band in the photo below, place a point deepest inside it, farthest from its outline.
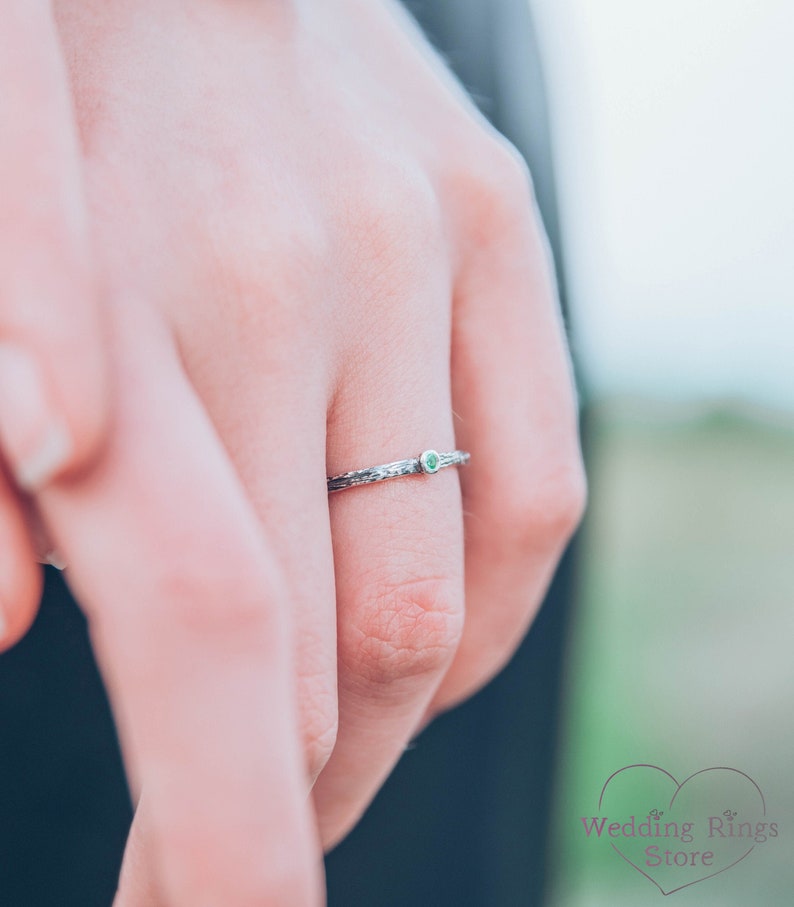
(427, 463)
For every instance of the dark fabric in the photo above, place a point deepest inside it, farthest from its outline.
(462, 821)
(64, 806)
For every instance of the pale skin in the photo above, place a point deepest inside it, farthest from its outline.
(268, 243)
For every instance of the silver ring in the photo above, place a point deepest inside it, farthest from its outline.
(427, 463)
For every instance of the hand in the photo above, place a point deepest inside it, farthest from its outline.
(310, 238)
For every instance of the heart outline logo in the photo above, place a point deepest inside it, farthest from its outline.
(678, 788)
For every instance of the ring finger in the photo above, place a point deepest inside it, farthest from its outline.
(398, 554)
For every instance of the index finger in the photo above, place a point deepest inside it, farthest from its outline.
(188, 620)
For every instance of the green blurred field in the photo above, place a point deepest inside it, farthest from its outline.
(682, 650)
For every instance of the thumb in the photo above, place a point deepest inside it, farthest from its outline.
(52, 370)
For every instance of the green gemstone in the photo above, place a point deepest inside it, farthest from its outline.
(430, 462)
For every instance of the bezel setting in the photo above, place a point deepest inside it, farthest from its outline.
(430, 462)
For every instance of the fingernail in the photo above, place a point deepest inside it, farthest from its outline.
(55, 560)
(34, 439)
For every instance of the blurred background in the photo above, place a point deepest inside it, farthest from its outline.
(672, 131)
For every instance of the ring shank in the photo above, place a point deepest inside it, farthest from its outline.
(394, 470)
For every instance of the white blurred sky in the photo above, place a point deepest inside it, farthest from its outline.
(673, 124)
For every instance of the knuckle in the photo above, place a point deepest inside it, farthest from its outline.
(497, 187)
(509, 179)
(394, 213)
(549, 509)
(563, 495)
(410, 630)
(272, 274)
(218, 595)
